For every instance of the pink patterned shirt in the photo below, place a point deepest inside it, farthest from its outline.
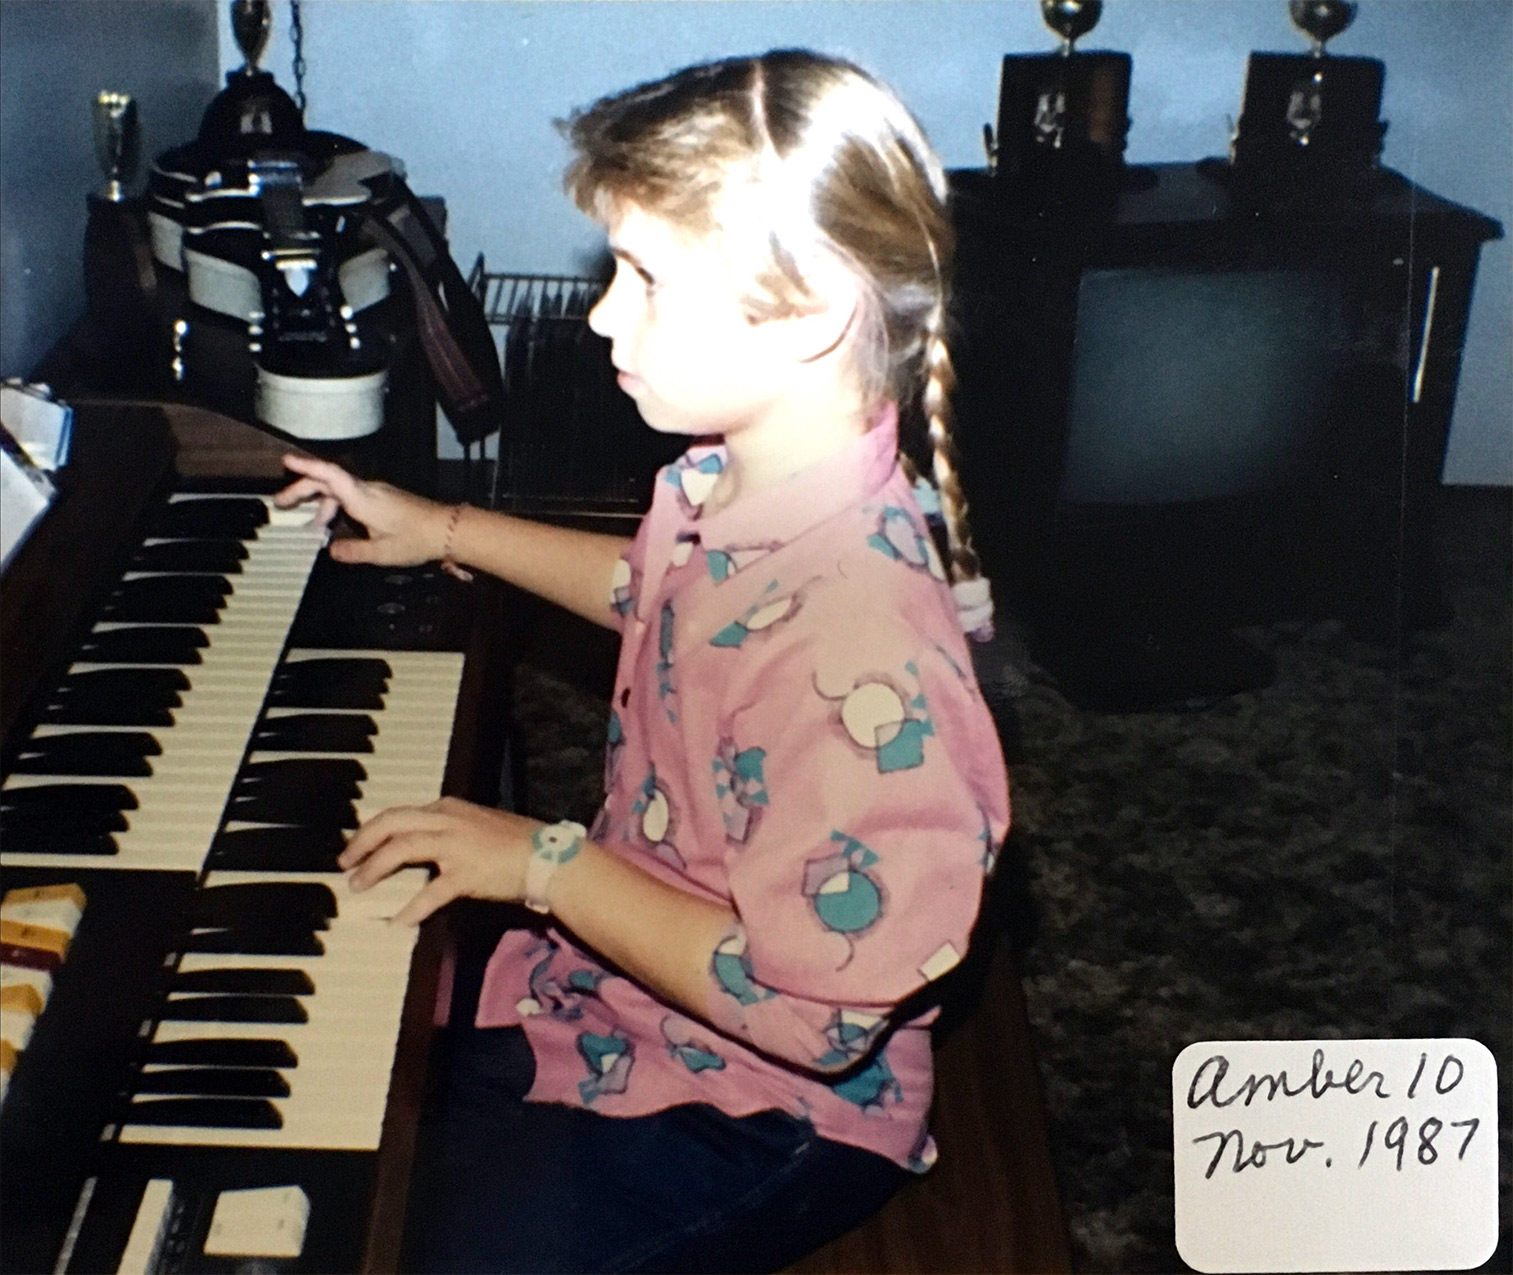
(796, 734)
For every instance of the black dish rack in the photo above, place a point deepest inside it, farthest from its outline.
(571, 443)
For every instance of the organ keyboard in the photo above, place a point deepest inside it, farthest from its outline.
(320, 1017)
(232, 1020)
(170, 746)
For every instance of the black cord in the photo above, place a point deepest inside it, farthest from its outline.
(297, 32)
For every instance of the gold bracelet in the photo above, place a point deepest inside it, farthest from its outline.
(449, 563)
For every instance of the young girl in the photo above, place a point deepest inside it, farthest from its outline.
(714, 1053)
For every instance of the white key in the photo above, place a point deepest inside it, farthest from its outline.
(144, 1248)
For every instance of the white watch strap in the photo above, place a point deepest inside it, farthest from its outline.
(552, 845)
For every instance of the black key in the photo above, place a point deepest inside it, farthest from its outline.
(336, 775)
(236, 518)
(76, 807)
(311, 903)
(316, 733)
(315, 809)
(234, 1009)
(318, 791)
(157, 684)
(100, 711)
(196, 584)
(263, 941)
(221, 1082)
(114, 753)
(368, 698)
(126, 696)
(72, 796)
(136, 610)
(277, 850)
(251, 982)
(357, 683)
(222, 1051)
(145, 644)
(298, 784)
(75, 820)
(45, 841)
(206, 1113)
(222, 557)
(324, 667)
(168, 600)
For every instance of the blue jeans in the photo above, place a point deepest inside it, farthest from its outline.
(508, 1185)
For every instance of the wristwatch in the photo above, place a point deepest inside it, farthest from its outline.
(552, 845)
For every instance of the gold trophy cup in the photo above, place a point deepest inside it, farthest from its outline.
(117, 142)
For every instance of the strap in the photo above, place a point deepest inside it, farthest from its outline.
(552, 845)
(454, 331)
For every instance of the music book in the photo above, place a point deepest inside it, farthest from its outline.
(26, 493)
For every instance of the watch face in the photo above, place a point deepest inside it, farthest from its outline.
(557, 842)
(551, 847)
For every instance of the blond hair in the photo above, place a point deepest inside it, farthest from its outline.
(791, 153)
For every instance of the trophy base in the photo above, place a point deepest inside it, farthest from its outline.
(1063, 117)
(1308, 129)
(323, 409)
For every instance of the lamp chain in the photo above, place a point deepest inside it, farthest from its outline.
(297, 33)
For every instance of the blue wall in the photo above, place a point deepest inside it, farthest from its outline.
(55, 55)
(465, 91)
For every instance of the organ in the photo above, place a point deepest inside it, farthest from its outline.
(198, 705)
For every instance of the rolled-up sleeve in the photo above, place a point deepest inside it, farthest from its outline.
(865, 796)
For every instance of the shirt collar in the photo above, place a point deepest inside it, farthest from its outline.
(755, 525)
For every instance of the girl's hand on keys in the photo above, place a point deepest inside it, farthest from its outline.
(479, 853)
(403, 530)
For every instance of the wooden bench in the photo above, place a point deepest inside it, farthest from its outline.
(990, 1204)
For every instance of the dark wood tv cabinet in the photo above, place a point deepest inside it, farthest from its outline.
(1348, 534)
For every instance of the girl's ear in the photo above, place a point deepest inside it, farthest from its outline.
(822, 329)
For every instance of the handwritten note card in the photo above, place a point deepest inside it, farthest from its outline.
(1335, 1155)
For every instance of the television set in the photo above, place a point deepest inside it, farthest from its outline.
(1178, 419)
(1193, 385)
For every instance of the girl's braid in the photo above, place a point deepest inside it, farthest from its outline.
(939, 381)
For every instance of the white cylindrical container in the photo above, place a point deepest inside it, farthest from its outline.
(322, 409)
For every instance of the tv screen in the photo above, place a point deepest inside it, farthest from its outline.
(1195, 385)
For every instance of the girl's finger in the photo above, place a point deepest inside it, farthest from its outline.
(388, 823)
(298, 492)
(313, 467)
(434, 895)
(323, 474)
(400, 850)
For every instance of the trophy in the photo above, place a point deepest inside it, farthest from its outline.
(1070, 19)
(118, 268)
(117, 142)
(251, 21)
(1063, 117)
(1321, 20)
(252, 113)
(1308, 127)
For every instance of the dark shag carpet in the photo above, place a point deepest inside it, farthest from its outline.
(1330, 856)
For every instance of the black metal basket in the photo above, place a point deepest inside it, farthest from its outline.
(572, 442)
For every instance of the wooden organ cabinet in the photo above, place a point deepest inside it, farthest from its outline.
(229, 1058)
